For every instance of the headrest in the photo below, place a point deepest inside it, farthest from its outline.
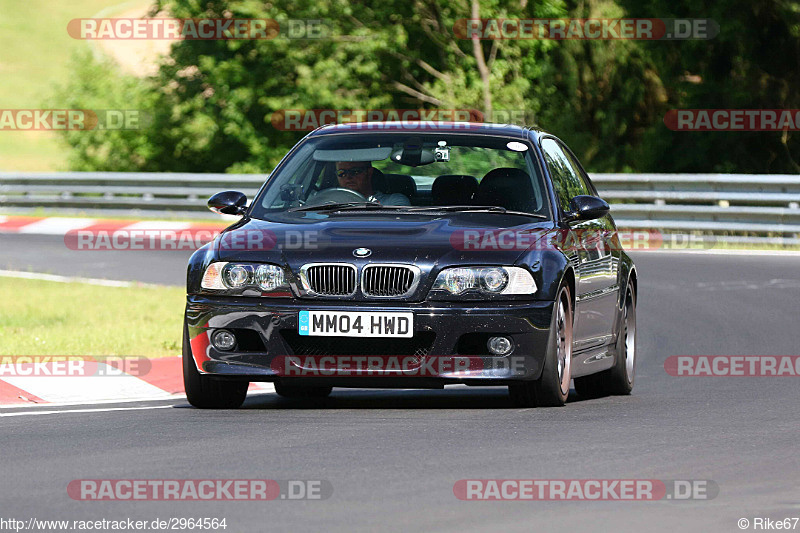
(453, 189)
(507, 187)
(401, 183)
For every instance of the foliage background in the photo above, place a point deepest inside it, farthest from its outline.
(211, 101)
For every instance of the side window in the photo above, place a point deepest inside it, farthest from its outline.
(576, 167)
(567, 179)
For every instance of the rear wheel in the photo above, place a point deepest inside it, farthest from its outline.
(296, 391)
(207, 392)
(617, 380)
(552, 388)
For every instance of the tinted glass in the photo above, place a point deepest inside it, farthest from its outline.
(408, 169)
(567, 179)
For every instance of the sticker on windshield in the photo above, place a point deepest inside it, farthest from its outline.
(517, 146)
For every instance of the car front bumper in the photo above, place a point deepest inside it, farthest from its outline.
(448, 346)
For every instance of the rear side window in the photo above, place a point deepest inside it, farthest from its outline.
(567, 178)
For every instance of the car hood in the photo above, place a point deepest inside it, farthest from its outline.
(295, 239)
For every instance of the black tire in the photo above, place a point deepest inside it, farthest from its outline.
(591, 387)
(617, 380)
(552, 387)
(205, 392)
(620, 378)
(296, 391)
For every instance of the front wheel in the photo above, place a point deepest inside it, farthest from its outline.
(204, 391)
(552, 388)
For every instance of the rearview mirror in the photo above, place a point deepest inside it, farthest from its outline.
(585, 207)
(228, 203)
(412, 154)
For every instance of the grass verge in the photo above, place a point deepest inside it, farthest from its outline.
(51, 318)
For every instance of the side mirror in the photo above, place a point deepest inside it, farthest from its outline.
(228, 203)
(585, 207)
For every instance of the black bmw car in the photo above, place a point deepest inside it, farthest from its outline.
(416, 256)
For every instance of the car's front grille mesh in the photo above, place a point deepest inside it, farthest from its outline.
(385, 280)
(332, 280)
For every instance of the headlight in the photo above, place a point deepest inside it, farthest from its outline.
(494, 279)
(269, 277)
(235, 276)
(244, 277)
(488, 280)
(456, 280)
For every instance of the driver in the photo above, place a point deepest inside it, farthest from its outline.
(357, 176)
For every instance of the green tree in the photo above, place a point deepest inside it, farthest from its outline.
(605, 94)
(754, 63)
(213, 100)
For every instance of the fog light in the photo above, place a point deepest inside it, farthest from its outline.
(500, 345)
(223, 340)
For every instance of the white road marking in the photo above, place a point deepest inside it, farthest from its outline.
(158, 225)
(263, 388)
(87, 389)
(49, 411)
(56, 225)
(68, 279)
(49, 405)
(97, 410)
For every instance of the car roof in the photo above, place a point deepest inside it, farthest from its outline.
(474, 128)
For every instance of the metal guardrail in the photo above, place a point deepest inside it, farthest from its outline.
(718, 203)
(758, 206)
(120, 190)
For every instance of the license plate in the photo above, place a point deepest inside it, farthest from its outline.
(356, 324)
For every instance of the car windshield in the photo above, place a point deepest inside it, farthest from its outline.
(414, 172)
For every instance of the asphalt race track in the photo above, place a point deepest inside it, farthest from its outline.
(393, 457)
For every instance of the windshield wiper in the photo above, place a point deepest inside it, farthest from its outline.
(341, 206)
(496, 208)
(473, 209)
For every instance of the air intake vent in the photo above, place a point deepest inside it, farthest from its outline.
(335, 279)
(385, 281)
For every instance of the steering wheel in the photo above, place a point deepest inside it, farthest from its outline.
(335, 195)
